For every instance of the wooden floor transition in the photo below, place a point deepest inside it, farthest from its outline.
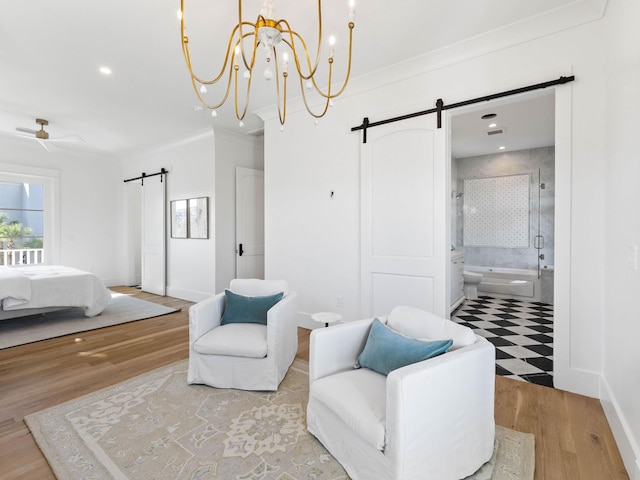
(573, 438)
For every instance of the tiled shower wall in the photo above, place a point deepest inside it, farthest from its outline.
(500, 165)
(496, 211)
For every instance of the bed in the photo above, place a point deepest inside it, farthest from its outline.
(34, 289)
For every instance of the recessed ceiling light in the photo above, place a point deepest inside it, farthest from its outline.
(488, 116)
(105, 70)
(501, 147)
(492, 125)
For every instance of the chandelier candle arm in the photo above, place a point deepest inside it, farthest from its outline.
(327, 97)
(282, 112)
(269, 33)
(240, 116)
(346, 80)
(187, 55)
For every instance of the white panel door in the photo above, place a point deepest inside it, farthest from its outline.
(249, 223)
(154, 235)
(403, 218)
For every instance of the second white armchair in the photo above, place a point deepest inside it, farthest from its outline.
(428, 420)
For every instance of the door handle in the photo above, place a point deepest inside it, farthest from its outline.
(240, 251)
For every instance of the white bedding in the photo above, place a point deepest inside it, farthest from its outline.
(41, 286)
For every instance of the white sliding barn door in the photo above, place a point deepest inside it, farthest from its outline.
(249, 223)
(403, 217)
(154, 217)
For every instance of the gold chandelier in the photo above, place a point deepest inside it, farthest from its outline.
(273, 35)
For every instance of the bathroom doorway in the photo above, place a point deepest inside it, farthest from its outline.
(503, 225)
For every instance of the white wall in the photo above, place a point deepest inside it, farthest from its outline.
(190, 262)
(621, 283)
(89, 204)
(131, 225)
(311, 238)
(232, 150)
(201, 166)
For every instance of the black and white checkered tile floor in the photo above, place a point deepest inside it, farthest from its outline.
(522, 333)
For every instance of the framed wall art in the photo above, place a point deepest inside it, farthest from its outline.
(179, 219)
(199, 217)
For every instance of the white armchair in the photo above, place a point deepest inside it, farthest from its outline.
(246, 356)
(428, 420)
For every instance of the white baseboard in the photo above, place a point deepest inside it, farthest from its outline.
(621, 431)
(188, 295)
(115, 282)
(576, 380)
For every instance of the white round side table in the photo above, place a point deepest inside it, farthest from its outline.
(326, 317)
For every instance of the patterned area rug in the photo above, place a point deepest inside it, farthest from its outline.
(121, 309)
(156, 426)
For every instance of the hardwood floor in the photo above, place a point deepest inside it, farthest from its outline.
(573, 438)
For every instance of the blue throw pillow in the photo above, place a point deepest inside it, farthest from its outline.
(241, 309)
(387, 350)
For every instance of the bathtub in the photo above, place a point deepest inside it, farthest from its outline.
(515, 283)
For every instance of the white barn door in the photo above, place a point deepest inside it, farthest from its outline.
(154, 217)
(403, 217)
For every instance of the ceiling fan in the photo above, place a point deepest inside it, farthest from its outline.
(42, 136)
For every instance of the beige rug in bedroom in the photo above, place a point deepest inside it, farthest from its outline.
(121, 309)
(156, 426)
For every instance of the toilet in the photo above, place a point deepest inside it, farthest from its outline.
(471, 282)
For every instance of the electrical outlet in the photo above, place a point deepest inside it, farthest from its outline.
(339, 302)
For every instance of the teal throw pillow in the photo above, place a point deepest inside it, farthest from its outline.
(387, 350)
(242, 309)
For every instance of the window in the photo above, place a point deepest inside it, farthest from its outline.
(28, 219)
(21, 223)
